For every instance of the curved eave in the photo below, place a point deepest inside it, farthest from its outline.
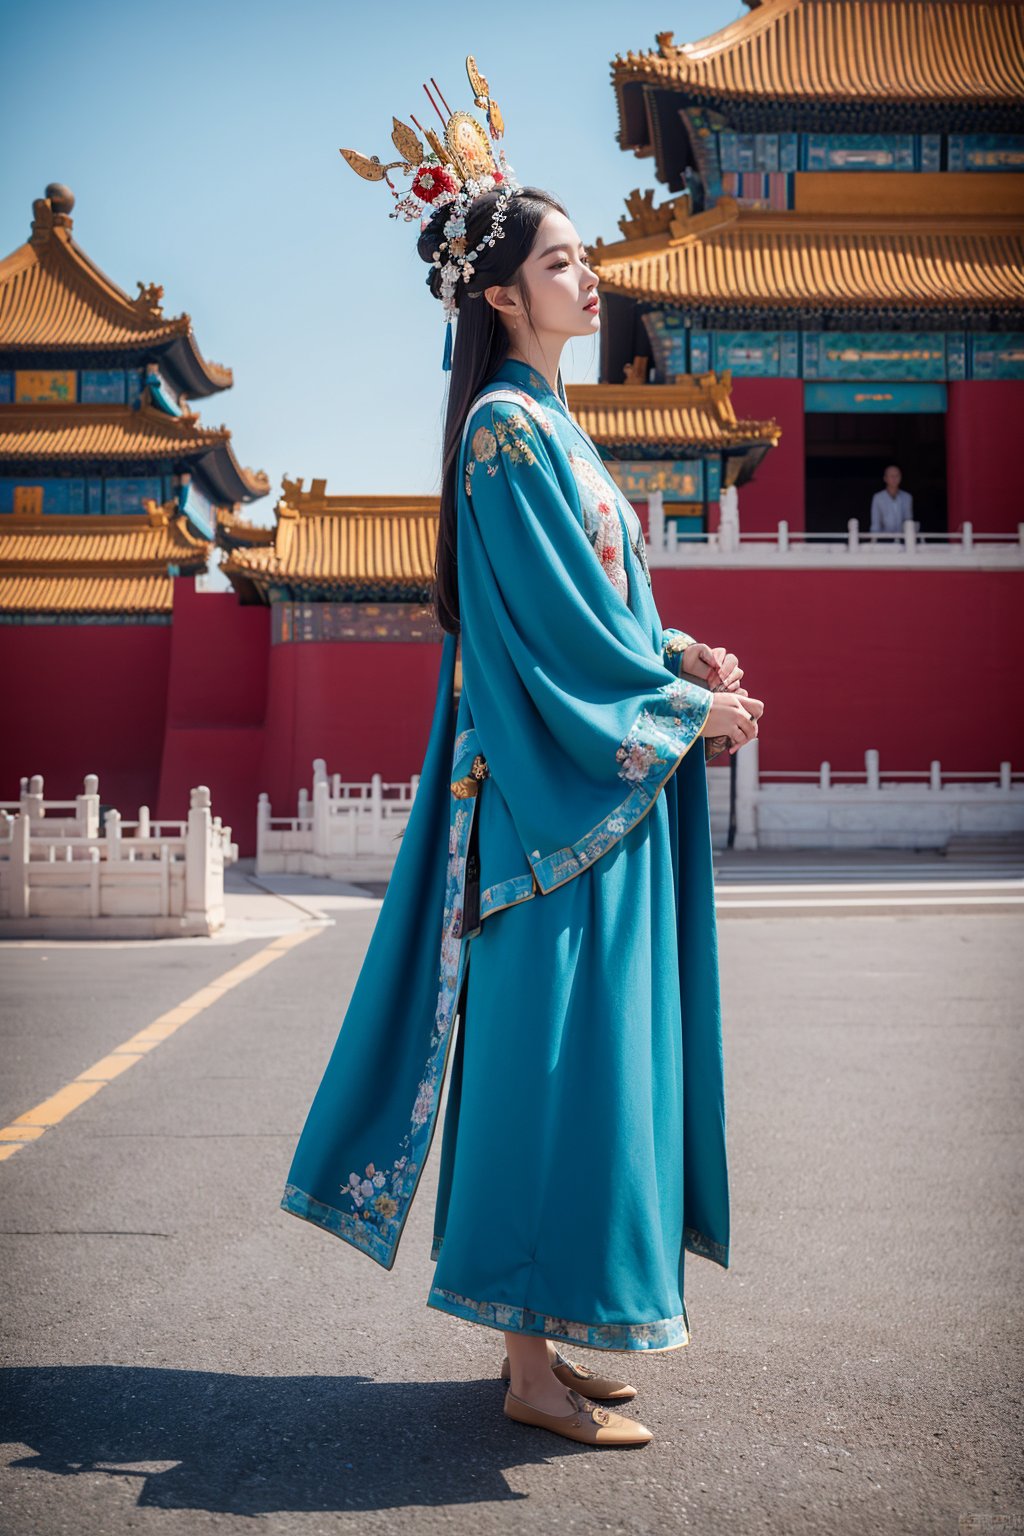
(283, 586)
(228, 480)
(56, 303)
(199, 377)
(758, 436)
(729, 260)
(104, 434)
(954, 58)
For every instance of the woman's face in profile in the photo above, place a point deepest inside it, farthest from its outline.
(561, 282)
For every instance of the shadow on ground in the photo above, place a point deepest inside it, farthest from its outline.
(254, 1445)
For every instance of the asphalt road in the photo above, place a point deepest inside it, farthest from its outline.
(182, 1357)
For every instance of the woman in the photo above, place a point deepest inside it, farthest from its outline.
(583, 1146)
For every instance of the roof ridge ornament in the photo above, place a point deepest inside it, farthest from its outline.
(51, 211)
(457, 169)
(148, 299)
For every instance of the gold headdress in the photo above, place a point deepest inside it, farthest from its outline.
(458, 168)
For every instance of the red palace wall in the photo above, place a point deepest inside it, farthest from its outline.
(84, 698)
(216, 704)
(364, 707)
(844, 660)
(847, 660)
(777, 489)
(984, 419)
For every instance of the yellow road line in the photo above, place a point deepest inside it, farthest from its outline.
(32, 1124)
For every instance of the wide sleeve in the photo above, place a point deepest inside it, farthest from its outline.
(578, 716)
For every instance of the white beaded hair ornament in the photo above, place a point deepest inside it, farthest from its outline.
(459, 168)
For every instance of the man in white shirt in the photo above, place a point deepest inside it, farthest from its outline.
(891, 508)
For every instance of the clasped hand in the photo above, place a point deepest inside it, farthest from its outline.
(734, 712)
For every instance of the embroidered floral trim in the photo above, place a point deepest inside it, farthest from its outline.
(361, 1234)
(601, 521)
(380, 1196)
(515, 436)
(638, 543)
(505, 893)
(658, 734)
(673, 643)
(705, 1247)
(666, 1333)
(511, 433)
(484, 445)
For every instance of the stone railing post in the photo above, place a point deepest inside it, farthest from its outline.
(729, 520)
(1005, 776)
(87, 807)
(747, 787)
(935, 774)
(112, 833)
(19, 868)
(321, 810)
(262, 826)
(199, 894)
(377, 813)
(825, 776)
(871, 768)
(32, 797)
(910, 535)
(852, 533)
(784, 537)
(143, 831)
(967, 535)
(656, 521)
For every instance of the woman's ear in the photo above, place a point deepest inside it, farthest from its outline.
(501, 299)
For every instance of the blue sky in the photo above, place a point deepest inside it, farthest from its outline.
(201, 143)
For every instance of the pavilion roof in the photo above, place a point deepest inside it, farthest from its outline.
(45, 434)
(357, 546)
(56, 302)
(52, 564)
(693, 413)
(952, 53)
(740, 259)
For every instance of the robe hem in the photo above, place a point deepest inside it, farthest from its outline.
(705, 1247)
(617, 1338)
(339, 1224)
(357, 1231)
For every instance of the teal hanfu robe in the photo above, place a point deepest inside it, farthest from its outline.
(548, 930)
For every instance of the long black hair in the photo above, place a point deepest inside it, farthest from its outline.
(481, 344)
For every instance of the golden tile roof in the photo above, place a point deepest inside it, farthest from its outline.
(46, 433)
(360, 542)
(695, 412)
(53, 297)
(101, 431)
(845, 50)
(109, 593)
(730, 258)
(96, 564)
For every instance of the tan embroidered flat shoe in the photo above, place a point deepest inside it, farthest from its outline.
(585, 1421)
(586, 1382)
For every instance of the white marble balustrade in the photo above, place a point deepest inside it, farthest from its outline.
(63, 875)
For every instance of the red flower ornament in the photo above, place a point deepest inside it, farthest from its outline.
(430, 181)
